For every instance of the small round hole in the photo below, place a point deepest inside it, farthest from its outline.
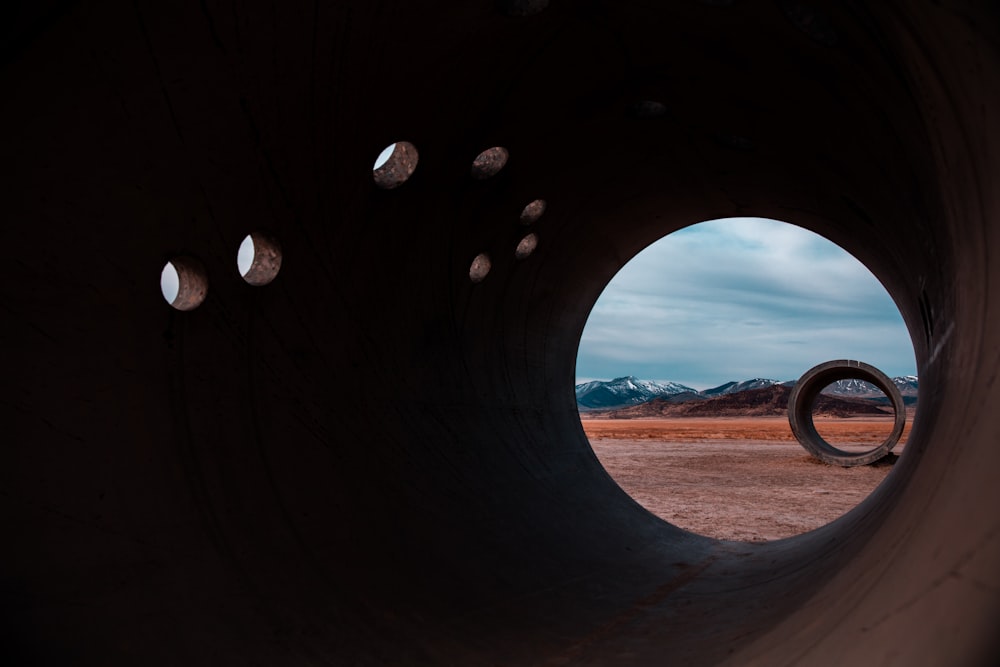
(183, 283)
(526, 246)
(489, 162)
(532, 212)
(395, 164)
(259, 258)
(480, 267)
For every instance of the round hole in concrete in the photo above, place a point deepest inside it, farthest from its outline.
(183, 283)
(480, 267)
(259, 258)
(532, 212)
(489, 163)
(685, 365)
(526, 246)
(395, 164)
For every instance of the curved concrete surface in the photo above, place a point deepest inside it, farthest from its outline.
(373, 460)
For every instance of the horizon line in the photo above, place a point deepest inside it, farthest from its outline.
(695, 386)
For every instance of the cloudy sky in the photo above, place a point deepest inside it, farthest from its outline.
(741, 298)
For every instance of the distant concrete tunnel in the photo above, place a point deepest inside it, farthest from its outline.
(375, 458)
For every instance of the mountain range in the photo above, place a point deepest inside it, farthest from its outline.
(623, 391)
(760, 402)
(629, 391)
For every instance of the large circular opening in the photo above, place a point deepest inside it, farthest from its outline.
(870, 421)
(690, 355)
(851, 422)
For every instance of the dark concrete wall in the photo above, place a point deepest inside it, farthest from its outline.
(374, 461)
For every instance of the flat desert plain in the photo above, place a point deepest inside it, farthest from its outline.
(739, 478)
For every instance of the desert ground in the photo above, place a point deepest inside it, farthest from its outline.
(739, 478)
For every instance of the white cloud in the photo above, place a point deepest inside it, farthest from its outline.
(736, 298)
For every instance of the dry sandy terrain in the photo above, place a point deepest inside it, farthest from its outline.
(738, 478)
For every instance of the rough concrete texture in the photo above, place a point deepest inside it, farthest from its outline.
(398, 167)
(373, 460)
(533, 211)
(192, 283)
(266, 259)
(489, 163)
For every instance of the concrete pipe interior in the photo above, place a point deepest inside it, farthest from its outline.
(375, 459)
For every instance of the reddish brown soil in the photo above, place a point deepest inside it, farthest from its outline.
(738, 478)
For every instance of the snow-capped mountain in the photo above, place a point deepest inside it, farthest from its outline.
(736, 387)
(906, 384)
(626, 391)
(770, 401)
(623, 391)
